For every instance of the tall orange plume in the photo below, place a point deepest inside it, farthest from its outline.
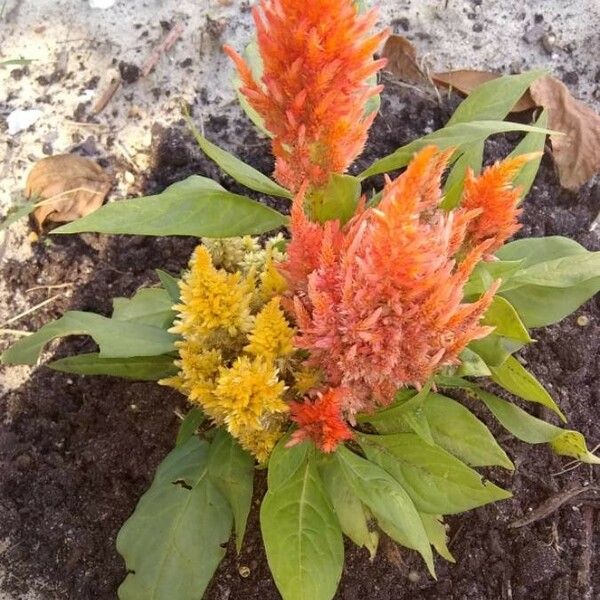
(318, 59)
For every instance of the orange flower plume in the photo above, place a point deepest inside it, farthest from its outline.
(320, 421)
(317, 58)
(497, 200)
(380, 306)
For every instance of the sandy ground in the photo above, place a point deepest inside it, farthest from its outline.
(76, 51)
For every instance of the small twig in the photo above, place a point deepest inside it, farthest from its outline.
(17, 332)
(48, 287)
(108, 93)
(552, 505)
(584, 575)
(30, 310)
(128, 156)
(456, 534)
(166, 44)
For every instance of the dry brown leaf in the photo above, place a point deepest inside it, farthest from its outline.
(466, 80)
(577, 153)
(70, 185)
(402, 59)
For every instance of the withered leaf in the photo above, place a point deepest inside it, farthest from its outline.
(577, 152)
(466, 80)
(402, 59)
(71, 187)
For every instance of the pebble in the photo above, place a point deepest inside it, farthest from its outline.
(20, 120)
(583, 321)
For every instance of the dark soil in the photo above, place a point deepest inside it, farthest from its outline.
(77, 452)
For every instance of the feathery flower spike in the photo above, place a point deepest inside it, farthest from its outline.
(497, 200)
(321, 421)
(380, 305)
(318, 59)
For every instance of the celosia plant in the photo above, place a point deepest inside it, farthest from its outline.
(326, 355)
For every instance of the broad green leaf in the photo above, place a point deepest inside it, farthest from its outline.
(337, 200)
(457, 430)
(349, 510)
(436, 532)
(140, 368)
(471, 158)
(456, 135)
(409, 411)
(232, 470)
(524, 426)
(531, 251)
(565, 272)
(515, 378)
(171, 284)
(196, 206)
(302, 536)
(453, 427)
(472, 365)
(151, 306)
(485, 273)
(495, 349)
(189, 425)
(18, 212)
(532, 142)
(284, 462)
(117, 339)
(504, 318)
(436, 481)
(494, 99)
(238, 169)
(388, 501)
(539, 305)
(173, 542)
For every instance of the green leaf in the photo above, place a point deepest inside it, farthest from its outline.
(196, 206)
(16, 213)
(526, 427)
(471, 158)
(541, 305)
(495, 349)
(232, 470)
(532, 142)
(16, 61)
(171, 284)
(410, 412)
(350, 511)
(284, 462)
(494, 99)
(485, 273)
(337, 200)
(139, 368)
(388, 501)
(436, 532)
(456, 135)
(117, 339)
(565, 272)
(457, 430)
(302, 536)
(151, 306)
(516, 379)
(472, 365)
(173, 542)
(453, 427)
(189, 425)
(238, 169)
(502, 315)
(436, 481)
